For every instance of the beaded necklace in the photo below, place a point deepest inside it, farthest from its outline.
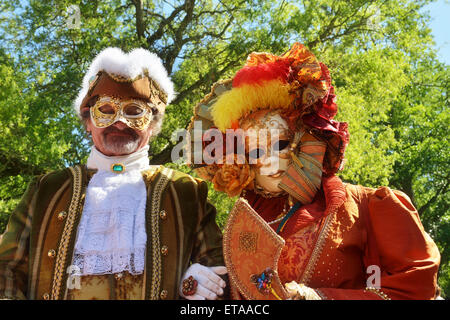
(284, 220)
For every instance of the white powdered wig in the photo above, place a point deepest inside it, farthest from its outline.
(131, 65)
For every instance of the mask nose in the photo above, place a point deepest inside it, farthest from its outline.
(120, 117)
(120, 123)
(272, 165)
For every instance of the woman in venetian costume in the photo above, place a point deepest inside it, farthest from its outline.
(297, 231)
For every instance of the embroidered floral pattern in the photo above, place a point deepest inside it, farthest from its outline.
(296, 253)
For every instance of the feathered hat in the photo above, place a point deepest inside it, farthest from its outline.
(296, 83)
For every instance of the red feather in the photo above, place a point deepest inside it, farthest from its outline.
(263, 72)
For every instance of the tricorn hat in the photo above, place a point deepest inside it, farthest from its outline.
(139, 74)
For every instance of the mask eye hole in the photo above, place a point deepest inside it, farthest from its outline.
(256, 153)
(280, 145)
(133, 110)
(107, 109)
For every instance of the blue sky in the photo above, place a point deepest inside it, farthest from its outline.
(440, 24)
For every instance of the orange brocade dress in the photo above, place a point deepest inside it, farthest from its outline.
(336, 243)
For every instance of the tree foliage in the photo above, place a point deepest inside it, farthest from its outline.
(392, 89)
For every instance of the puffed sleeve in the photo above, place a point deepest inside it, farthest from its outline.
(407, 257)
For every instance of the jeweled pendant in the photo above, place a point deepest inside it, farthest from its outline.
(117, 168)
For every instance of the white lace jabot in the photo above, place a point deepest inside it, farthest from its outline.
(111, 235)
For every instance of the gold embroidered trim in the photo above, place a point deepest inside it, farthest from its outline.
(61, 256)
(312, 294)
(154, 220)
(39, 247)
(321, 294)
(242, 204)
(378, 292)
(317, 251)
(248, 241)
(148, 176)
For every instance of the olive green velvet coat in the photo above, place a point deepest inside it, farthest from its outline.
(37, 247)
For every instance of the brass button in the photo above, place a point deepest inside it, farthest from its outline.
(46, 296)
(164, 250)
(163, 294)
(62, 215)
(163, 215)
(51, 253)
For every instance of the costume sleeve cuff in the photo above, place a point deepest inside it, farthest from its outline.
(368, 293)
(378, 292)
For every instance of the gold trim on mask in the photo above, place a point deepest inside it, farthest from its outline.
(108, 110)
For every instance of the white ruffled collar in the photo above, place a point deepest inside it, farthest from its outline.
(111, 236)
(135, 161)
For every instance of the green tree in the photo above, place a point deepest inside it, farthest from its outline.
(420, 118)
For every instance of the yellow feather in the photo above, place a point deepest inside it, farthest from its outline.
(234, 104)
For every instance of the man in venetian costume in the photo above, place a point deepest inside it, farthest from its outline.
(118, 227)
(297, 231)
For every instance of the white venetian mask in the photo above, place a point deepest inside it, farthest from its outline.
(267, 146)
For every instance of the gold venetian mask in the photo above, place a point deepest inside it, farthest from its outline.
(135, 113)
